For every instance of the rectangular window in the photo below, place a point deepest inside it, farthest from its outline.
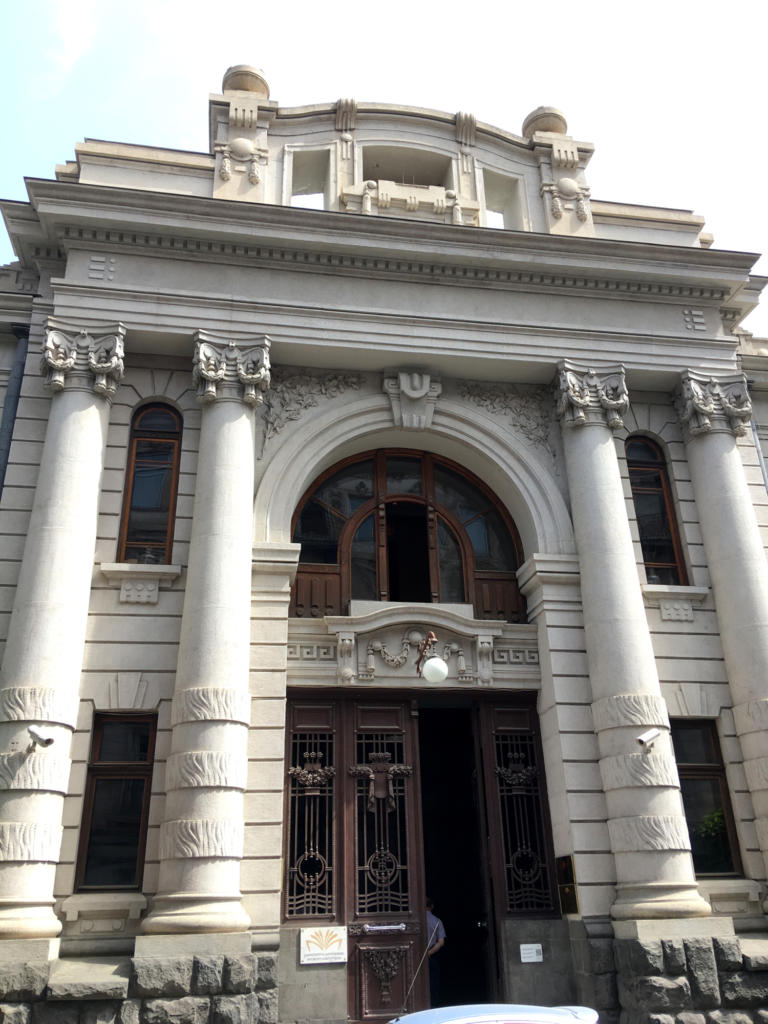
(116, 806)
(706, 802)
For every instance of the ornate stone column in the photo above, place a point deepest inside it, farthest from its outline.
(40, 677)
(646, 825)
(714, 412)
(201, 840)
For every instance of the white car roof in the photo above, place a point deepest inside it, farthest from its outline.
(501, 1013)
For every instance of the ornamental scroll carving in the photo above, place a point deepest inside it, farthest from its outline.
(412, 638)
(38, 704)
(586, 396)
(195, 768)
(292, 393)
(201, 837)
(80, 354)
(648, 832)
(30, 841)
(220, 368)
(529, 409)
(624, 771)
(567, 195)
(711, 403)
(35, 769)
(211, 704)
(630, 709)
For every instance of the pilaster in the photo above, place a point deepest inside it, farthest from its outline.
(40, 677)
(646, 825)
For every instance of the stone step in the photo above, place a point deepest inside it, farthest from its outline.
(755, 953)
(90, 978)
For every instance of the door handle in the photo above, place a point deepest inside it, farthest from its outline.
(368, 928)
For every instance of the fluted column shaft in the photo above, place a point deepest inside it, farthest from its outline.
(201, 842)
(714, 413)
(646, 825)
(39, 682)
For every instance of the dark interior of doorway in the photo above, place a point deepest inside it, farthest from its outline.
(454, 852)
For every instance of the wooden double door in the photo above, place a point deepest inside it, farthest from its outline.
(394, 800)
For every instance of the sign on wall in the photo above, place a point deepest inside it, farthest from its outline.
(323, 945)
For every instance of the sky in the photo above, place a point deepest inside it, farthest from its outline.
(673, 94)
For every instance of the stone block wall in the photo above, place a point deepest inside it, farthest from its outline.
(153, 990)
(692, 981)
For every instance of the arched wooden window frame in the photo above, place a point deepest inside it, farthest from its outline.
(325, 588)
(157, 552)
(657, 465)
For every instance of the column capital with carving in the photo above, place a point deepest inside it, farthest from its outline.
(586, 396)
(708, 404)
(90, 358)
(230, 369)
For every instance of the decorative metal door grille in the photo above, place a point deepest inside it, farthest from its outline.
(527, 867)
(309, 886)
(381, 824)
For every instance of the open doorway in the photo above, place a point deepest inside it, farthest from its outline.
(457, 873)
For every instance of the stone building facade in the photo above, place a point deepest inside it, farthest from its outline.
(360, 385)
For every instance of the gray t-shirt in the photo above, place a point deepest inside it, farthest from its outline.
(435, 930)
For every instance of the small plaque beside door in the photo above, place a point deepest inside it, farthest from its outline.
(323, 945)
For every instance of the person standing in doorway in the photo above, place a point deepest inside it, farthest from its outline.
(435, 942)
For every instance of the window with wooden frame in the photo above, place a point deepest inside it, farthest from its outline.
(113, 834)
(706, 801)
(152, 480)
(655, 513)
(408, 526)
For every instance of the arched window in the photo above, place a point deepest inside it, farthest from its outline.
(405, 526)
(152, 478)
(655, 513)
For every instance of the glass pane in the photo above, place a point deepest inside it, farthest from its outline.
(349, 489)
(363, 562)
(155, 451)
(653, 525)
(124, 741)
(703, 803)
(151, 487)
(492, 544)
(694, 745)
(458, 495)
(451, 569)
(403, 475)
(159, 421)
(113, 842)
(639, 450)
(667, 575)
(318, 530)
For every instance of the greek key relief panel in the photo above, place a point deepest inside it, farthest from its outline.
(383, 650)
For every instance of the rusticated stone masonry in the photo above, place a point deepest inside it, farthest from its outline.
(150, 990)
(692, 981)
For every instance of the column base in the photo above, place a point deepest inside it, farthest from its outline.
(658, 900)
(32, 921)
(184, 914)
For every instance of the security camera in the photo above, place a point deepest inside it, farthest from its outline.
(38, 739)
(648, 738)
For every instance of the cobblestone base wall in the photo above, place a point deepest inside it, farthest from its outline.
(160, 990)
(690, 981)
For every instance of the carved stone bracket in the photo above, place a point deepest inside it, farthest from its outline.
(413, 396)
(346, 122)
(83, 356)
(242, 156)
(221, 369)
(466, 134)
(707, 404)
(587, 396)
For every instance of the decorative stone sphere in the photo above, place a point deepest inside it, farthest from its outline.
(241, 149)
(545, 119)
(568, 187)
(244, 78)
